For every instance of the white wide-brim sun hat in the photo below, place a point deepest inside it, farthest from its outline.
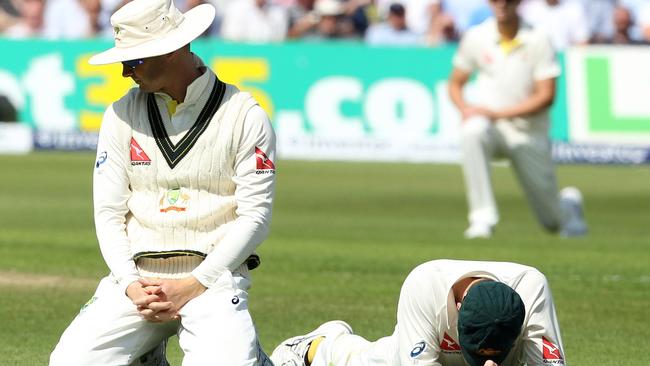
(147, 28)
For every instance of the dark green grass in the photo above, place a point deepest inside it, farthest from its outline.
(344, 236)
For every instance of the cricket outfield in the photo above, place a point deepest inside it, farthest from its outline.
(344, 236)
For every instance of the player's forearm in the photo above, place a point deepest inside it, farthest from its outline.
(541, 99)
(110, 195)
(456, 94)
(254, 195)
(114, 246)
(255, 188)
(110, 224)
(534, 104)
(254, 200)
(458, 78)
(232, 251)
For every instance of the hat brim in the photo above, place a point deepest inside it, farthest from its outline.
(196, 21)
(472, 359)
(476, 360)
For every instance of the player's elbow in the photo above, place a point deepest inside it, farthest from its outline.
(548, 99)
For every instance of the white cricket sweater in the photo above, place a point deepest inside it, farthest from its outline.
(188, 184)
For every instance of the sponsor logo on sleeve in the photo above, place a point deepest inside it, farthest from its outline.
(138, 156)
(449, 345)
(87, 304)
(264, 164)
(418, 349)
(551, 353)
(101, 159)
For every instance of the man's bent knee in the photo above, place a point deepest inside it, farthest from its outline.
(475, 128)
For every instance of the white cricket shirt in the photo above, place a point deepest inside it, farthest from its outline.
(505, 77)
(427, 334)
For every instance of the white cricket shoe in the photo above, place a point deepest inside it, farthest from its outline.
(292, 351)
(478, 231)
(571, 204)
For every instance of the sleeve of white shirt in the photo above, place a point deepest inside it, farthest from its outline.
(542, 321)
(110, 194)
(546, 65)
(463, 59)
(254, 195)
(416, 321)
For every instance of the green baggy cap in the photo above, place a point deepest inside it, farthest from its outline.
(489, 322)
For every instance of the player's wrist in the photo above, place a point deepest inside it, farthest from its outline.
(131, 288)
(195, 285)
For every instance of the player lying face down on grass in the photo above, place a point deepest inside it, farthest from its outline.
(183, 189)
(450, 313)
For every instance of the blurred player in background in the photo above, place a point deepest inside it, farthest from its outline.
(183, 191)
(450, 313)
(510, 118)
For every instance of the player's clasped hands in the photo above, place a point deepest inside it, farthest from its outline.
(159, 300)
(151, 301)
(471, 111)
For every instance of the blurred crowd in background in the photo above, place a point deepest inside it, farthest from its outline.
(424, 23)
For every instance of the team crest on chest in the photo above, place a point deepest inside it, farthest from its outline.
(174, 200)
(138, 156)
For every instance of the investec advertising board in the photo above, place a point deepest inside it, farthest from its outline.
(341, 101)
(608, 109)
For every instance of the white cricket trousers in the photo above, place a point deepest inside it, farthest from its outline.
(529, 153)
(215, 329)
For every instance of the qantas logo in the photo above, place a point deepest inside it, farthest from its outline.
(487, 58)
(551, 353)
(138, 156)
(264, 164)
(448, 344)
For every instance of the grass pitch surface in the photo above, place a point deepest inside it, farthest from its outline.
(344, 237)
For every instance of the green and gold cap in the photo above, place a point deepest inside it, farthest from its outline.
(489, 322)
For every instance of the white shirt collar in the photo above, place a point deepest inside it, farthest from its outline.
(197, 89)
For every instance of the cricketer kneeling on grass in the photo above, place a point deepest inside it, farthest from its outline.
(183, 190)
(450, 313)
(516, 71)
